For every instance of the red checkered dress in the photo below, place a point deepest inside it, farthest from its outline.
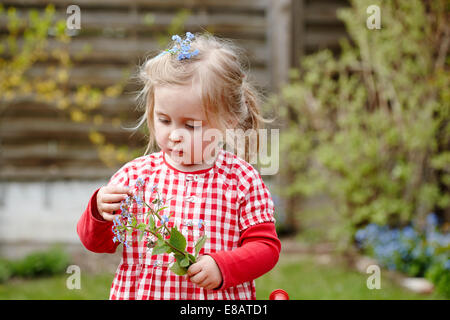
(221, 201)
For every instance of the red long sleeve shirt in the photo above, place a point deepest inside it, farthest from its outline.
(258, 251)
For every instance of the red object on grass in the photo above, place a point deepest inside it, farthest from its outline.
(279, 294)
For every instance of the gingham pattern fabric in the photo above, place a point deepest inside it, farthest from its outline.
(221, 201)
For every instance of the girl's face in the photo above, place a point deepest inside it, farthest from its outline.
(180, 127)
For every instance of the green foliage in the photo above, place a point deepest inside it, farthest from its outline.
(5, 270)
(306, 277)
(199, 245)
(439, 274)
(41, 263)
(177, 239)
(370, 126)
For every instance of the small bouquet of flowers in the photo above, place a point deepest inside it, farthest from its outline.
(155, 230)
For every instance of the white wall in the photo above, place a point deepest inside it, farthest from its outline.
(43, 211)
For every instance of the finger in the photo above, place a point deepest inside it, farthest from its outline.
(208, 285)
(211, 287)
(107, 216)
(199, 278)
(194, 269)
(109, 207)
(111, 198)
(119, 190)
(204, 283)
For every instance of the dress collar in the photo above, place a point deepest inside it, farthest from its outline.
(192, 172)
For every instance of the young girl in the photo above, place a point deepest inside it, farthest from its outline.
(192, 92)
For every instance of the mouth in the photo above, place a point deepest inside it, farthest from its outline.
(176, 152)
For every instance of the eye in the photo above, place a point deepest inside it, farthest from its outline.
(190, 127)
(163, 120)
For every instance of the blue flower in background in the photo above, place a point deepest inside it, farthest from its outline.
(447, 264)
(432, 220)
(405, 249)
(409, 233)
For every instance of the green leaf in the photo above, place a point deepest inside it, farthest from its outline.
(161, 247)
(178, 270)
(179, 256)
(151, 222)
(184, 262)
(177, 239)
(160, 209)
(192, 259)
(200, 243)
(133, 221)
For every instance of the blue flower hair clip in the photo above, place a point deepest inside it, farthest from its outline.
(182, 47)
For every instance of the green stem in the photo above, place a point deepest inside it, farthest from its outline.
(171, 246)
(159, 217)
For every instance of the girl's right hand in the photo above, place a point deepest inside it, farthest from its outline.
(109, 198)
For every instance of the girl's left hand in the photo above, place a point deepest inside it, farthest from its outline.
(205, 273)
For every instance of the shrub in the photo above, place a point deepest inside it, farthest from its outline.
(43, 263)
(5, 270)
(370, 126)
(439, 274)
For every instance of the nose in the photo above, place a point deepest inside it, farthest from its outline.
(175, 136)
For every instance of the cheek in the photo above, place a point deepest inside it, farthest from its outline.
(160, 132)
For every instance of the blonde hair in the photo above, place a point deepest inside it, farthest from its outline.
(229, 100)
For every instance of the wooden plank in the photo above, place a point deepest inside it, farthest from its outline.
(102, 76)
(27, 107)
(118, 23)
(48, 151)
(55, 173)
(132, 50)
(28, 162)
(157, 4)
(279, 37)
(15, 128)
(317, 38)
(298, 31)
(324, 12)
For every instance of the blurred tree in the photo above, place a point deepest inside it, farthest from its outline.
(371, 126)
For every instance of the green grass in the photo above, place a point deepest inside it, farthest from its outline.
(305, 279)
(93, 287)
(301, 276)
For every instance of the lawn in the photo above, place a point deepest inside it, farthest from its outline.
(305, 279)
(301, 276)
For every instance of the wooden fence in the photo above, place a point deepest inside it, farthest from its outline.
(40, 142)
